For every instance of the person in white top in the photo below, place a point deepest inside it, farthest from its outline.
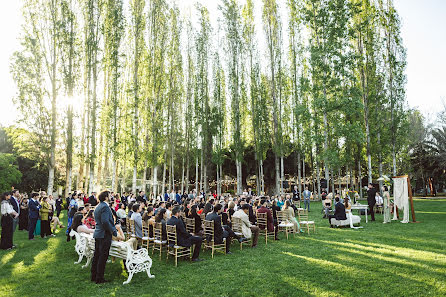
(379, 199)
(8, 214)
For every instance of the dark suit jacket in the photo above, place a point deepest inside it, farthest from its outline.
(15, 204)
(340, 212)
(183, 237)
(218, 229)
(296, 194)
(33, 209)
(371, 193)
(269, 217)
(252, 217)
(104, 221)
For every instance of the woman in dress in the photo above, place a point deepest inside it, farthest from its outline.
(44, 218)
(290, 217)
(386, 204)
(23, 217)
(8, 214)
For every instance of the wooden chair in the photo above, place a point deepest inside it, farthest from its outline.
(146, 239)
(304, 222)
(237, 228)
(131, 228)
(210, 238)
(173, 248)
(190, 225)
(262, 221)
(128, 231)
(158, 242)
(283, 224)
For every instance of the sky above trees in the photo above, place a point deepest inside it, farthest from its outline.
(423, 26)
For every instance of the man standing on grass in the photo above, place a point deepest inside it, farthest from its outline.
(306, 194)
(371, 200)
(15, 202)
(103, 233)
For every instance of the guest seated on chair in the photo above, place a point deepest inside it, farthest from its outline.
(327, 204)
(161, 217)
(78, 225)
(247, 228)
(221, 231)
(339, 212)
(269, 217)
(137, 219)
(184, 238)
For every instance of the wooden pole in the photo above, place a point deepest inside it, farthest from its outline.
(411, 200)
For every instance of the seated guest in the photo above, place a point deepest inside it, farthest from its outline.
(290, 216)
(77, 224)
(339, 212)
(280, 203)
(161, 217)
(269, 218)
(168, 210)
(198, 224)
(221, 231)
(121, 213)
(148, 219)
(247, 228)
(327, 205)
(231, 210)
(208, 207)
(89, 219)
(120, 237)
(137, 219)
(183, 237)
(379, 199)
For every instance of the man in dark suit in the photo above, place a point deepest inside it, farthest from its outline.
(221, 231)
(339, 212)
(296, 194)
(269, 218)
(33, 215)
(371, 200)
(92, 199)
(15, 197)
(251, 216)
(184, 238)
(103, 233)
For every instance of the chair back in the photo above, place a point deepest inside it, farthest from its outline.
(132, 227)
(281, 216)
(158, 231)
(208, 229)
(303, 216)
(190, 225)
(145, 230)
(262, 220)
(237, 225)
(171, 234)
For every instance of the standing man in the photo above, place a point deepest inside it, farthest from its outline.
(371, 200)
(105, 229)
(58, 206)
(15, 205)
(307, 195)
(33, 215)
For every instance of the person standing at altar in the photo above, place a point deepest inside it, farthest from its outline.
(371, 200)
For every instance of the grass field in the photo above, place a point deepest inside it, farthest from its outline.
(379, 260)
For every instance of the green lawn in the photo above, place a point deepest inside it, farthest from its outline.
(379, 260)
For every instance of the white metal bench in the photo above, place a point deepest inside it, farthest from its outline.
(135, 260)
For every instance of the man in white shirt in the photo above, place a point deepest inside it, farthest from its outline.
(379, 199)
(248, 229)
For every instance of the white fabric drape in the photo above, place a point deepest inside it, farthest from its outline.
(401, 197)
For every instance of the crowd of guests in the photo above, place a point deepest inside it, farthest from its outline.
(112, 211)
(26, 212)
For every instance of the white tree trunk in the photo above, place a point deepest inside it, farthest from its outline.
(196, 175)
(155, 181)
(277, 164)
(163, 182)
(299, 168)
(282, 175)
(135, 171)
